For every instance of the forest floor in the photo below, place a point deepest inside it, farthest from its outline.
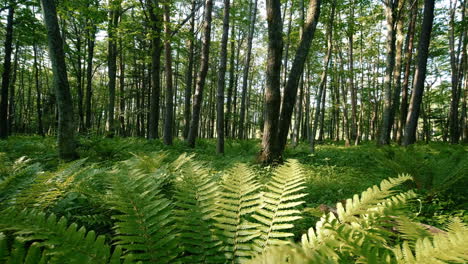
(333, 173)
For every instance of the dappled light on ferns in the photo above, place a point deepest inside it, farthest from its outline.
(156, 211)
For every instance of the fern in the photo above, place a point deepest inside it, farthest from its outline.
(238, 198)
(145, 225)
(278, 209)
(58, 241)
(195, 210)
(441, 248)
(21, 176)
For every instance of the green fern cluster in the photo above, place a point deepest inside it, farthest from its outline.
(149, 210)
(159, 212)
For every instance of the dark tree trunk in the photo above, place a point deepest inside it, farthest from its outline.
(168, 120)
(114, 15)
(6, 74)
(385, 129)
(66, 126)
(270, 150)
(297, 68)
(123, 131)
(221, 81)
(408, 58)
(40, 129)
(416, 96)
(245, 76)
(201, 78)
(89, 75)
(189, 74)
(156, 49)
(12, 102)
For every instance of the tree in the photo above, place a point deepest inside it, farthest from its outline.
(420, 75)
(269, 152)
(66, 125)
(6, 73)
(168, 120)
(391, 15)
(201, 78)
(221, 80)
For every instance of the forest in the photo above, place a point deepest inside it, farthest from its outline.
(233, 131)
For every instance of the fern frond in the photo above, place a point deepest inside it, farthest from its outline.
(61, 242)
(145, 226)
(195, 195)
(20, 177)
(441, 248)
(278, 209)
(368, 199)
(238, 198)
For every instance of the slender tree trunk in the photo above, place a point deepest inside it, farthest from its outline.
(344, 105)
(123, 131)
(221, 81)
(270, 150)
(168, 120)
(352, 87)
(201, 78)
(89, 75)
(245, 77)
(156, 48)
(66, 125)
(40, 129)
(6, 74)
(390, 13)
(416, 96)
(232, 68)
(189, 74)
(408, 58)
(114, 15)
(12, 102)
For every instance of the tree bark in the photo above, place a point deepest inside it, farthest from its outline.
(66, 126)
(40, 129)
(420, 75)
(270, 150)
(201, 78)
(168, 120)
(245, 77)
(156, 49)
(189, 74)
(297, 68)
(408, 63)
(6, 73)
(89, 75)
(390, 13)
(221, 81)
(114, 14)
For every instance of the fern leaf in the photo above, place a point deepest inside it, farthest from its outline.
(278, 209)
(144, 226)
(237, 199)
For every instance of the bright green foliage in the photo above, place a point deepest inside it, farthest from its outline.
(238, 198)
(145, 225)
(195, 209)
(150, 210)
(278, 210)
(441, 248)
(58, 241)
(21, 175)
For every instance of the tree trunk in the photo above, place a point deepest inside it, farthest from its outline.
(245, 77)
(6, 74)
(270, 150)
(89, 75)
(408, 58)
(168, 120)
(156, 47)
(390, 13)
(201, 78)
(416, 96)
(114, 15)
(189, 74)
(297, 68)
(40, 129)
(11, 105)
(352, 87)
(66, 125)
(221, 81)
(122, 91)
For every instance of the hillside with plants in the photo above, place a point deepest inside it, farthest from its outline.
(233, 131)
